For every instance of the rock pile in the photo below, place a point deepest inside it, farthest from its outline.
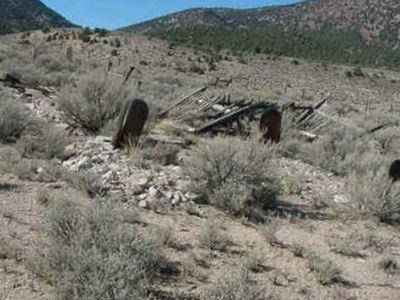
(121, 175)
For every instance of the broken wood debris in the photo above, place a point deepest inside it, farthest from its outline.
(184, 102)
(311, 121)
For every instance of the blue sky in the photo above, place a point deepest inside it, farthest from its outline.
(113, 14)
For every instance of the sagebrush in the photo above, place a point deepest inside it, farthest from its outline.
(372, 196)
(235, 174)
(93, 102)
(95, 254)
(14, 119)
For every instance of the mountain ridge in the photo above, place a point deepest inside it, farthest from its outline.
(363, 32)
(372, 19)
(24, 15)
(199, 11)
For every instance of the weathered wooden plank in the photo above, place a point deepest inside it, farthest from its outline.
(183, 100)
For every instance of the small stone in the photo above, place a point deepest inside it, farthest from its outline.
(70, 150)
(340, 199)
(192, 197)
(143, 204)
(83, 163)
(168, 194)
(280, 279)
(142, 181)
(153, 192)
(142, 196)
(113, 167)
(176, 199)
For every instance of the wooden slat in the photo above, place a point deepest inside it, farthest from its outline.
(183, 100)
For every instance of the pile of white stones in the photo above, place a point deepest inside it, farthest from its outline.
(121, 175)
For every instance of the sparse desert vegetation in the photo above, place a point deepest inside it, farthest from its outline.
(185, 215)
(236, 175)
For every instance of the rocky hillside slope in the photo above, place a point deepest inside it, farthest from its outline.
(21, 15)
(319, 242)
(373, 19)
(347, 31)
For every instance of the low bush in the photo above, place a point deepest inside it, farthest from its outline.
(194, 68)
(353, 243)
(235, 174)
(43, 68)
(163, 153)
(372, 197)
(14, 119)
(340, 152)
(213, 236)
(238, 287)
(350, 245)
(45, 142)
(94, 254)
(254, 262)
(86, 181)
(325, 271)
(390, 265)
(32, 169)
(93, 102)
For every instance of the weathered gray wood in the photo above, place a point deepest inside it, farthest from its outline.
(209, 104)
(227, 119)
(182, 101)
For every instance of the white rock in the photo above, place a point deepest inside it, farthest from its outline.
(176, 199)
(142, 181)
(143, 204)
(192, 196)
(340, 199)
(83, 163)
(153, 192)
(169, 195)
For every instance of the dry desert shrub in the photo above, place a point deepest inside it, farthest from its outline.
(213, 236)
(43, 68)
(389, 265)
(87, 182)
(237, 287)
(389, 141)
(43, 141)
(32, 169)
(235, 174)
(95, 254)
(326, 272)
(339, 152)
(254, 262)
(372, 197)
(354, 243)
(93, 102)
(163, 153)
(14, 119)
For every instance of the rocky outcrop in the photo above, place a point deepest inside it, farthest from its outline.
(133, 179)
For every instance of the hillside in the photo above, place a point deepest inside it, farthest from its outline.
(344, 31)
(186, 215)
(22, 15)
